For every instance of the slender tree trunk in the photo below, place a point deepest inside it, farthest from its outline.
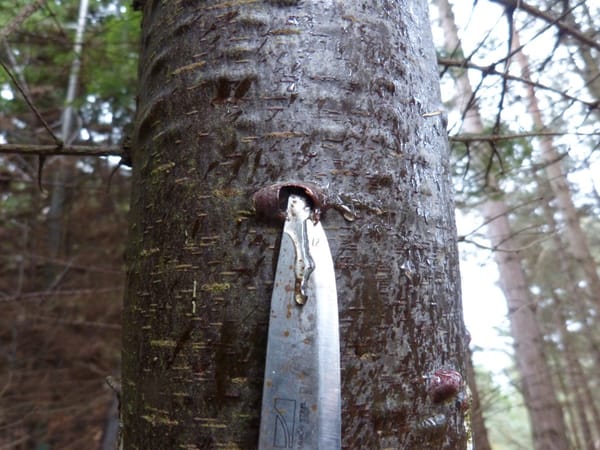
(545, 413)
(579, 382)
(575, 381)
(576, 239)
(566, 267)
(235, 96)
(59, 195)
(480, 434)
(569, 410)
(540, 397)
(588, 65)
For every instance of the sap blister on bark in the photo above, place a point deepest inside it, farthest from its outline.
(299, 213)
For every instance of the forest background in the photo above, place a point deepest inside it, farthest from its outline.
(71, 72)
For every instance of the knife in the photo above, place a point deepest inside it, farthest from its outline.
(301, 405)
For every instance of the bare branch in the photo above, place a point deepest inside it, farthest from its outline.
(491, 70)
(59, 149)
(37, 295)
(30, 103)
(505, 250)
(508, 211)
(562, 26)
(467, 138)
(74, 322)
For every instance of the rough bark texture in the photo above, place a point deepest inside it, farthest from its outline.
(234, 96)
(545, 412)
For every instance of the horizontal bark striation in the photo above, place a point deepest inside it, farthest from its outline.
(239, 94)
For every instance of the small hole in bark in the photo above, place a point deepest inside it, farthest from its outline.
(242, 88)
(223, 90)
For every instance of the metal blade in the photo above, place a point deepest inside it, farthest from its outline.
(301, 407)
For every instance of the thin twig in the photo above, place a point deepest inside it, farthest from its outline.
(491, 70)
(497, 248)
(73, 292)
(59, 149)
(467, 138)
(74, 322)
(562, 26)
(37, 113)
(503, 213)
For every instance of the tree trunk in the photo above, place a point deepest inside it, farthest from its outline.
(480, 435)
(588, 65)
(576, 239)
(547, 422)
(233, 97)
(59, 196)
(580, 384)
(568, 406)
(575, 381)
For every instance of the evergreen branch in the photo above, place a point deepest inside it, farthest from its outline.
(21, 16)
(59, 149)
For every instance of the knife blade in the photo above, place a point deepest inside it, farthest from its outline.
(301, 405)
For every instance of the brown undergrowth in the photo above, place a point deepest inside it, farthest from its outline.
(60, 322)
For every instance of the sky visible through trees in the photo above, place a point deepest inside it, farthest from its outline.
(575, 118)
(483, 301)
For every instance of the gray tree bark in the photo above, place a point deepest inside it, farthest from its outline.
(237, 95)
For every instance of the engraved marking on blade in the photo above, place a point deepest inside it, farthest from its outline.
(299, 212)
(303, 421)
(283, 433)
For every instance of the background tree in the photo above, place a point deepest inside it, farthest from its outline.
(545, 412)
(570, 114)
